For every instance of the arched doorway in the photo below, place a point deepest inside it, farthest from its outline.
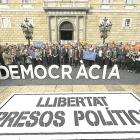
(66, 31)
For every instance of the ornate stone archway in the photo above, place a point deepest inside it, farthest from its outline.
(66, 31)
(59, 12)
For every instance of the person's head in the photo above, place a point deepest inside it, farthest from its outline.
(6, 50)
(55, 47)
(76, 48)
(44, 46)
(61, 47)
(131, 48)
(100, 48)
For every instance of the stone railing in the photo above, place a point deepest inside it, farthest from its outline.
(67, 5)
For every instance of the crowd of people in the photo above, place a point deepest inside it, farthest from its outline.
(126, 56)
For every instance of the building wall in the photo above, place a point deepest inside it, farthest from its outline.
(16, 12)
(117, 33)
(15, 35)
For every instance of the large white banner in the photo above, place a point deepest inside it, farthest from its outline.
(111, 115)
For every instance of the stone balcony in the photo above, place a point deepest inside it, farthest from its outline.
(66, 5)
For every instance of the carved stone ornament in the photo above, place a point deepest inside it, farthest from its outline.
(66, 26)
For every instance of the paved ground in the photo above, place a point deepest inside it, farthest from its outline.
(125, 78)
(5, 91)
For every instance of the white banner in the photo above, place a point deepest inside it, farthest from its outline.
(71, 42)
(110, 115)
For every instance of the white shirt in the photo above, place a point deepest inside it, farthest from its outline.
(100, 53)
(138, 59)
(44, 51)
(50, 52)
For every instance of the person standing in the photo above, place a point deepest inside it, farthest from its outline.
(131, 54)
(138, 62)
(71, 55)
(100, 57)
(114, 57)
(38, 57)
(6, 57)
(28, 59)
(76, 56)
(121, 57)
(108, 55)
(81, 54)
(55, 56)
(66, 54)
(61, 56)
(95, 50)
(44, 56)
(19, 59)
(50, 60)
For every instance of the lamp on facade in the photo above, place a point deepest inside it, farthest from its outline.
(104, 27)
(27, 30)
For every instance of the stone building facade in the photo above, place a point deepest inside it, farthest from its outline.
(54, 20)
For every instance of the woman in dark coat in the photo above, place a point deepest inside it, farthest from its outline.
(131, 54)
(76, 56)
(114, 57)
(108, 55)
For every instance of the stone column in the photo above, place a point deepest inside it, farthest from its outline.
(77, 28)
(49, 30)
(56, 31)
(84, 28)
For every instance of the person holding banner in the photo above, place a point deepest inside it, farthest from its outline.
(87, 61)
(71, 55)
(61, 56)
(95, 50)
(55, 56)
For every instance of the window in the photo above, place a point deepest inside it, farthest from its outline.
(105, 1)
(30, 20)
(127, 22)
(6, 22)
(4, 1)
(26, 1)
(106, 4)
(130, 1)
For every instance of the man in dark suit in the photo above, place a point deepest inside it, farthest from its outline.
(44, 56)
(61, 56)
(121, 57)
(66, 54)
